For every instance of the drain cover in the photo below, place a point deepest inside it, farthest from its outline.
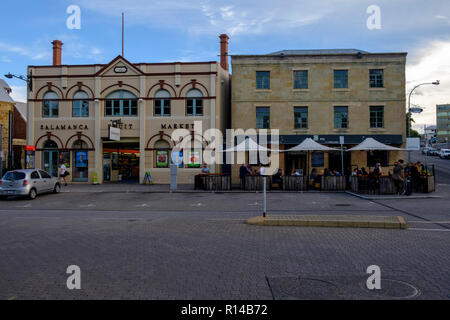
(392, 289)
(310, 287)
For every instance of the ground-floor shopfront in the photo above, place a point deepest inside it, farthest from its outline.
(305, 162)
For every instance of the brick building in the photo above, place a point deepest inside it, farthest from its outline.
(72, 108)
(9, 110)
(322, 94)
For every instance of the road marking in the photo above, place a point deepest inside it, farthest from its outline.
(197, 205)
(141, 205)
(12, 298)
(438, 230)
(254, 204)
(90, 205)
(25, 206)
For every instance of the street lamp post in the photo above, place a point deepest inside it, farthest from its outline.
(436, 83)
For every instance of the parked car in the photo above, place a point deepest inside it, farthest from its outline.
(425, 150)
(29, 183)
(432, 152)
(444, 154)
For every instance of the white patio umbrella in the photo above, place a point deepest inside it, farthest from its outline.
(370, 144)
(308, 145)
(247, 145)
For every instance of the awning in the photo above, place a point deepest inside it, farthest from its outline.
(371, 144)
(310, 145)
(247, 145)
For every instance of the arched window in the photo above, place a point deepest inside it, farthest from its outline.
(50, 144)
(162, 149)
(194, 103)
(121, 103)
(50, 105)
(79, 144)
(162, 103)
(80, 104)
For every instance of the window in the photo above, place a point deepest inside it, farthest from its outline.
(50, 144)
(317, 159)
(376, 78)
(162, 149)
(35, 175)
(301, 117)
(50, 105)
(262, 79)
(194, 103)
(45, 175)
(80, 104)
(341, 117)
(14, 175)
(377, 117)
(373, 157)
(340, 79)
(262, 118)
(301, 79)
(121, 103)
(162, 103)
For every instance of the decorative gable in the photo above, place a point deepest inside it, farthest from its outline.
(119, 66)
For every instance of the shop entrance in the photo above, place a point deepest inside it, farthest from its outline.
(50, 157)
(121, 161)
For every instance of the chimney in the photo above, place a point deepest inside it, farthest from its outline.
(224, 51)
(57, 48)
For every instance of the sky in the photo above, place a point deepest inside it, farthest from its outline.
(169, 30)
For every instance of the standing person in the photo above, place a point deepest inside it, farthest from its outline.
(243, 172)
(63, 173)
(414, 173)
(377, 172)
(397, 176)
(262, 171)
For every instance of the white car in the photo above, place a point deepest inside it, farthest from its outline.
(444, 154)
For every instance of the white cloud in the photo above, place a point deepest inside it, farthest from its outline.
(213, 17)
(429, 63)
(19, 93)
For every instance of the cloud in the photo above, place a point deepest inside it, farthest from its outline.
(19, 93)
(429, 63)
(214, 17)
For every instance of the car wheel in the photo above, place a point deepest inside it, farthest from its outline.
(57, 188)
(32, 195)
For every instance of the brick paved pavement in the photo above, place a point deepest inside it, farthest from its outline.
(198, 246)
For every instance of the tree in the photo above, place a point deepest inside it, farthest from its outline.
(413, 133)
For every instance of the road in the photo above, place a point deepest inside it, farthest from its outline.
(134, 245)
(442, 166)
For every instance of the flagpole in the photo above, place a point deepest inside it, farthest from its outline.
(122, 34)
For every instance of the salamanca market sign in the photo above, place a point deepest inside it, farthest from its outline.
(64, 127)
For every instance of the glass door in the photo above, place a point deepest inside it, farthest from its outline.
(51, 162)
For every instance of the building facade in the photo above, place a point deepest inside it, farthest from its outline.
(443, 123)
(11, 149)
(323, 94)
(72, 108)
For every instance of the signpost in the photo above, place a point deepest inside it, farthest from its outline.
(341, 142)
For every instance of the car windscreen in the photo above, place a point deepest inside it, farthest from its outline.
(12, 176)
